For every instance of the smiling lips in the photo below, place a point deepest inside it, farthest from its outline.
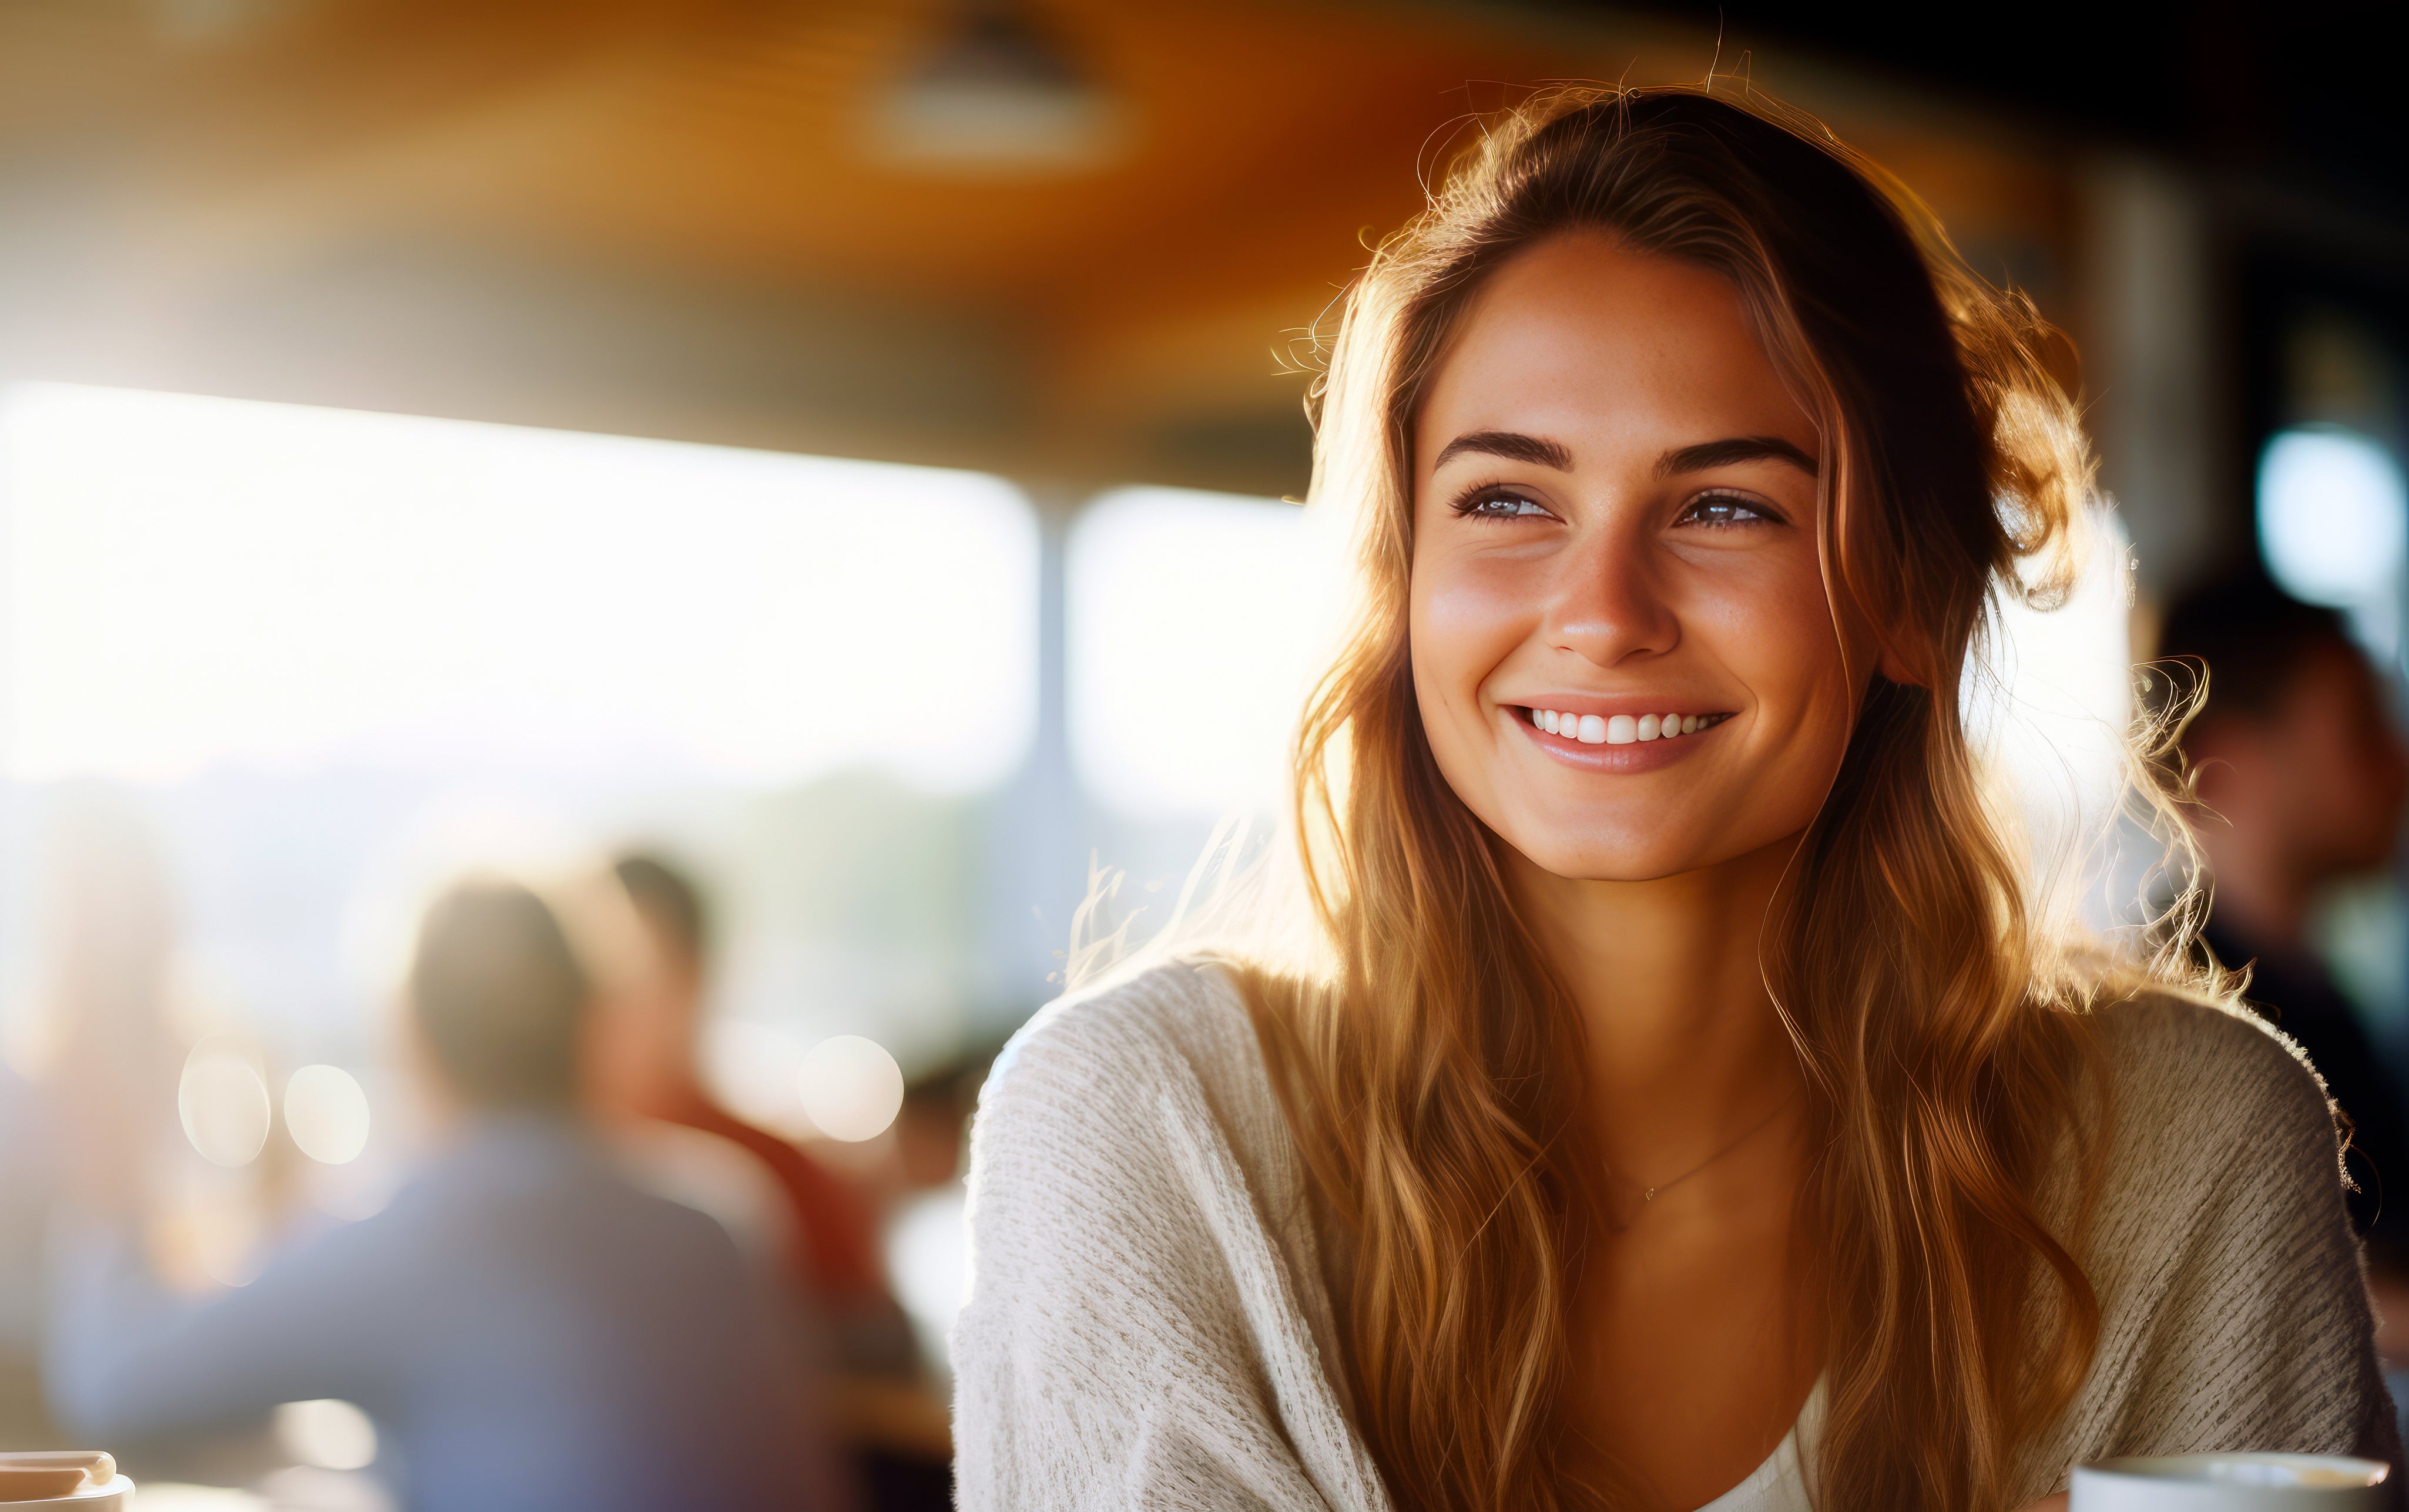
(1621, 729)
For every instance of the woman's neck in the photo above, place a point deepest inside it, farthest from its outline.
(1685, 1048)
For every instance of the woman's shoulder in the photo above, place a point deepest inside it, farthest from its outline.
(2232, 1309)
(2214, 1093)
(1132, 1062)
(1129, 1148)
(2205, 1059)
(1147, 1312)
(1177, 1017)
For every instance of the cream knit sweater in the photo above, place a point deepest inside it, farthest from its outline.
(1147, 1324)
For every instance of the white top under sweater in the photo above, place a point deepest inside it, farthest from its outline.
(1779, 1484)
(1148, 1321)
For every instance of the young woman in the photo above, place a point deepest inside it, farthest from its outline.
(1688, 1106)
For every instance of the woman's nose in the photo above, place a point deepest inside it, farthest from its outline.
(1607, 605)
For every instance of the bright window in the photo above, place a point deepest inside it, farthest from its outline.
(333, 657)
(1193, 628)
(199, 581)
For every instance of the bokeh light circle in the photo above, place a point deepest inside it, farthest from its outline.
(852, 1088)
(222, 1102)
(2333, 516)
(327, 1434)
(326, 1114)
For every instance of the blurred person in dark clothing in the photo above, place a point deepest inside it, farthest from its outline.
(526, 1329)
(644, 1065)
(2302, 778)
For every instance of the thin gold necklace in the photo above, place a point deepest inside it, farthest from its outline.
(1649, 1194)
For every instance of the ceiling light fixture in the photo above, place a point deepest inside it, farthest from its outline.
(997, 96)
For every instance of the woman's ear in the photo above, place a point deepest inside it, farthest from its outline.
(1898, 658)
(1899, 655)
(1897, 669)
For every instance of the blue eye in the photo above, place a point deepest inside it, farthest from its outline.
(1719, 510)
(1499, 504)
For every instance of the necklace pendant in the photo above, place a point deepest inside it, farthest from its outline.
(1650, 1196)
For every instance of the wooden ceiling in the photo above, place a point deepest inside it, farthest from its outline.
(663, 215)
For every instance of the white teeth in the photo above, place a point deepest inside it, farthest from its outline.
(1620, 729)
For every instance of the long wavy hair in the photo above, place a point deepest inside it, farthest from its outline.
(1430, 1063)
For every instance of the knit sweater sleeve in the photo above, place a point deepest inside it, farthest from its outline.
(1138, 1331)
(2235, 1313)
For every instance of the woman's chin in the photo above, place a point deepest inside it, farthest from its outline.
(1594, 849)
(1609, 859)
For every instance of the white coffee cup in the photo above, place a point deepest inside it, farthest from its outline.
(2230, 1483)
(84, 1479)
(115, 1496)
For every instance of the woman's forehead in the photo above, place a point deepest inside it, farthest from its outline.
(1580, 339)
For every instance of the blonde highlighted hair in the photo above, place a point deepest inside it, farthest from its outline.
(1431, 1065)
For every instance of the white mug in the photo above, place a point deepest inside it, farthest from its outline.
(2230, 1483)
(84, 1480)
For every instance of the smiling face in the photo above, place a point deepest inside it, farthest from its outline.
(1615, 520)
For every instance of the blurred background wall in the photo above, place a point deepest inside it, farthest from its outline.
(624, 289)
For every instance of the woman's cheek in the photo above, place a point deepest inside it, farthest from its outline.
(1819, 717)
(1464, 624)
(1773, 631)
(1773, 617)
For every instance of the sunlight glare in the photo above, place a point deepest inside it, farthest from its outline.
(2047, 703)
(198, 581)
(1194, 625)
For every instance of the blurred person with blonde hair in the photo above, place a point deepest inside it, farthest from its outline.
(526, 1328)
(1687, 1098)
(105, 938)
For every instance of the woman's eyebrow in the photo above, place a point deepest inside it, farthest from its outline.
(1730, 450)
(1512, 445)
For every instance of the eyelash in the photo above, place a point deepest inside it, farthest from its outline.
(1471, 505)
(1468, 504)
(1759, 511)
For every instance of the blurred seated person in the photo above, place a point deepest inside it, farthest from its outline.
(526, 1328)
(2302, 778)
(643, 1066)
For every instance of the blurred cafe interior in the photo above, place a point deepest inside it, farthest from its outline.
(845, 455)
